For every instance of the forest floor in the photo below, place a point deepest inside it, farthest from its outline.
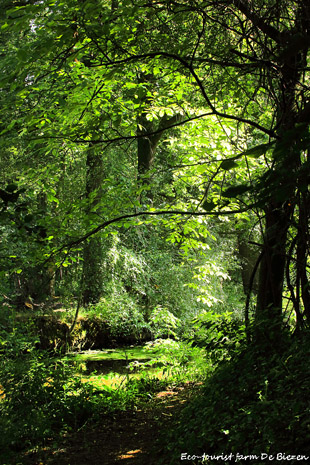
(124, 438)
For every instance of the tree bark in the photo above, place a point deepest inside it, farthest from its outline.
(248, 256)
(93, 252)
(286, 163)
(271, 275)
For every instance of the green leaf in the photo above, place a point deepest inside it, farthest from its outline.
(208, 206)
(52, 198)
(11, 125)
(14, 10)
(11, 187)
(202, 169)
(234, 191)
(259, 150)
(228, 164)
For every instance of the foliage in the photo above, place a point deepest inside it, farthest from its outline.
(221, 335)
(40, 397)
(122, 316)
(93, 90)
(255, 403)
(163, 323)
(144, 263)
(43, 396)
(141, 144)
(180, 360)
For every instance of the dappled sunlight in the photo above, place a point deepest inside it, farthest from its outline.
(130, 454)
(166, 394)
(114, 380)
(154, 231)
(2, 393)
(101, 381)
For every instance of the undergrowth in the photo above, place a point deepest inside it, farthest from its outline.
(256, 403)
(254, 399)
(43, 396)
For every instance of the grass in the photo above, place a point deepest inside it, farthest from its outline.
(157, 360)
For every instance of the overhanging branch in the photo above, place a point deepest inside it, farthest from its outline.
(75, 242)
(158, 131)
(189, 66)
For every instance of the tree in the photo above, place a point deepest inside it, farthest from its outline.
(237, 62)
(93, 275)
(267, 45)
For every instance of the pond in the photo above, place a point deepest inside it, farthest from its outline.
(122, 361)
(119, 366)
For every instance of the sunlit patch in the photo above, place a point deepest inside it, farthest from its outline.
(2, 394)
(130, 454)
(48, 382)
(166, 393)
(114, 380)
(100, 382)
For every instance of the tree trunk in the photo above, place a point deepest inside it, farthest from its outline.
(303, 244)
(248, 257)
(272, 267)
(281, 193)
(93, 253)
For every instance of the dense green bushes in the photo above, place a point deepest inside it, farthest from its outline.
(112, 323)
(256, 403)
(220, 334)
(254, 399)
(42, 395)
(123, 317)
(107, 324)
(42, 398)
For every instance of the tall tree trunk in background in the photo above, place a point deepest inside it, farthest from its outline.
(303, 247)
(147, 145)
(272, 267)
(145, 152)
(149, 135)
(248, 257)
(93, 252)
(148, 142)
(37, 282)
(281, 183)
(278, 216)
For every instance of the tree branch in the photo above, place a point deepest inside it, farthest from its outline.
(158, 131)
(190, 68)
(259, 22)
(119, 219)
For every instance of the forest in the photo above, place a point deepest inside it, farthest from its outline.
(154, 245)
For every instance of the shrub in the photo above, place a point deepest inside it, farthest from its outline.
(163, 323)
(220, 334)
(180, 359)
(40, 397)
(124, 319)
(255, 403)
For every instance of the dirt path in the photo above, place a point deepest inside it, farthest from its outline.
(128, 438)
